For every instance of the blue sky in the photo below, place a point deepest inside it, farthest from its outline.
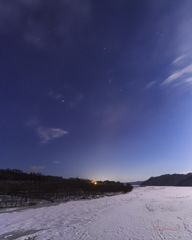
(96, 89)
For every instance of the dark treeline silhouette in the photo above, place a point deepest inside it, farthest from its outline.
(23, 188)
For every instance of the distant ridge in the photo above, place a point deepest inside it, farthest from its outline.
(169, 180)
(136, 183)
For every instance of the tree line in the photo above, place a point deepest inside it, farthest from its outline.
(24, 187)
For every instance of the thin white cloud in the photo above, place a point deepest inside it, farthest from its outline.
(55, 95)
(176, 75)
(181, 45)
(149, 85)
(36, 168)
(56, 162)
(188, 80)
(178, 59)
(47, 134)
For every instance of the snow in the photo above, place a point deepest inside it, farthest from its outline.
(146, 213)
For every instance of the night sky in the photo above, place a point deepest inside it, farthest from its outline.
(96, 89)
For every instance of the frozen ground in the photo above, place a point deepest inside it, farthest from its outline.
(146, 213)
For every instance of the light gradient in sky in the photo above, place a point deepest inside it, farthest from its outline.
(96, 89)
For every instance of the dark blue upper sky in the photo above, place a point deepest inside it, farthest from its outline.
(96, 89)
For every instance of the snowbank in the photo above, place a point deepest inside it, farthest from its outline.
(145, 213)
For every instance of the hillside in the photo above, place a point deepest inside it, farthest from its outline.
(169, 180)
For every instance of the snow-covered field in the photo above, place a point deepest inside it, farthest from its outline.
(146, 213)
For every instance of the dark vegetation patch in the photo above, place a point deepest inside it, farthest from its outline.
(22, 189)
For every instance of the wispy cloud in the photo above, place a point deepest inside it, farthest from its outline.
(181, 45)
(188, 80)
(55, 95)
(46, 24)
(178, 59)
(176, 75)
(56, 162)
(47, 134)
(32, 122)
(36, 168)
(149, 85)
